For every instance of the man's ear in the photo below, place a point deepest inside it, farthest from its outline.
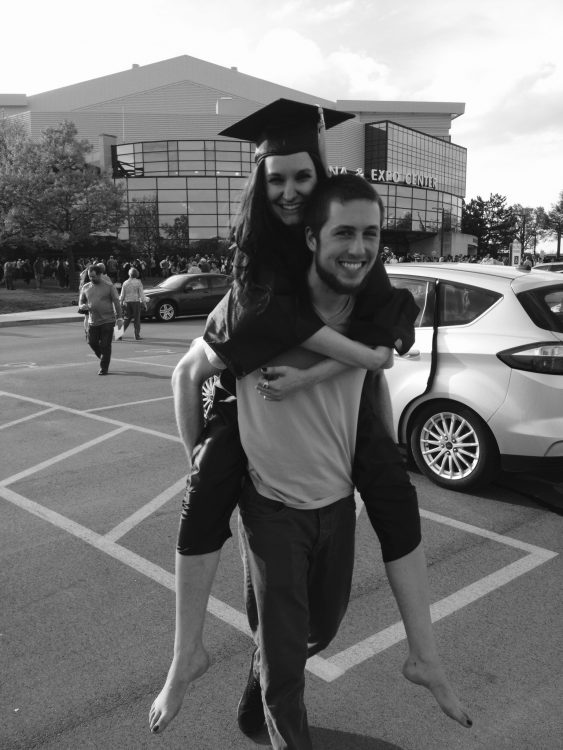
(310, 239)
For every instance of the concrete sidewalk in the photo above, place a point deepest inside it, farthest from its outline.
(51, 315)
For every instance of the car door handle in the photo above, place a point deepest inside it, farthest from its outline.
(411, 354)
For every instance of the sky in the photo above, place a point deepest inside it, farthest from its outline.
(502, 58)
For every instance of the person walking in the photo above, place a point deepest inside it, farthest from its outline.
(9, 275)
(38, 268)
(132, 298)
(104, 310)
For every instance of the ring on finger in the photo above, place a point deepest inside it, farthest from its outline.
(266, 384)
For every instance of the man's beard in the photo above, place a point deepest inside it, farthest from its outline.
(332, 281)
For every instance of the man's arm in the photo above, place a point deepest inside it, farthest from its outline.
(116, 303)
(189, 375)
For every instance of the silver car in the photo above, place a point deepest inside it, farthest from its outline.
(482, 387)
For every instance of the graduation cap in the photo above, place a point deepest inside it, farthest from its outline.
(287, 127)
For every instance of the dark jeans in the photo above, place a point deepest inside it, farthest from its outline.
(133, 313)
(298, 568)
(99, 339)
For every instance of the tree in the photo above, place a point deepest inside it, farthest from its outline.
(144, 232)
(53, 193)
(16, 161)
(491, 221)
(178, 233)
(554, 223)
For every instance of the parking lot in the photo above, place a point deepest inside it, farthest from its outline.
(91, 482)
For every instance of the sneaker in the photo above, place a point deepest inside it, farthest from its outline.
(102, 372)
(250, 714)
(138, 338)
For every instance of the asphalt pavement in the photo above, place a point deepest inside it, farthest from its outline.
(91, 482)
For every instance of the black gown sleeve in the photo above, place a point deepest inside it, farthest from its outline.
(246, 339)
(382, 314)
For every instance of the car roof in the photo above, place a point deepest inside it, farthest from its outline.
(478, 274)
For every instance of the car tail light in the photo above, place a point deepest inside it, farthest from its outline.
(542, 357)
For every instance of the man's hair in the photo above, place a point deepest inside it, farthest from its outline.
(342, 188)
(97, 268)
(133, 273)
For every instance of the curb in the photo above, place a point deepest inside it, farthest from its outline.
(39, 321)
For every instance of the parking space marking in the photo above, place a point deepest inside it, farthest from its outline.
(29, 416)
(329, 668)
(136, 361)
(19, 364)
(129, 403)
(219, 609)
(61, 457)
(147, 510)
(97, 417)
(388, 637)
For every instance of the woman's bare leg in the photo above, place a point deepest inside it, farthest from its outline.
(409, 582)
(194, 578)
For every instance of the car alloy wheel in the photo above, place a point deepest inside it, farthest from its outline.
(207, 392)
(452, 446)
(166, 312)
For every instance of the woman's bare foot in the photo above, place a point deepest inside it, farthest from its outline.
(431, 675)
(185, 669)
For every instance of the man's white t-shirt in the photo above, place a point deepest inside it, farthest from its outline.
(300, 450)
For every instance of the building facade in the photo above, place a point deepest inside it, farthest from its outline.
(154, 128)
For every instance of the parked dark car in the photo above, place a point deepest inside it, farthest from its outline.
(185, 294)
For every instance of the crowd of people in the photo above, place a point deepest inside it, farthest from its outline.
(31, 273)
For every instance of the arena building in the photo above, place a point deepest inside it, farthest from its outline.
(154, 128)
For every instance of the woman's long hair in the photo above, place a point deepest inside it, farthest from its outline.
(267, 251)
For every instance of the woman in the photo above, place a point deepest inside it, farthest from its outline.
(267, 313)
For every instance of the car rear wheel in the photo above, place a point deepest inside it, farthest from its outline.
(165, 312)
(453, 447)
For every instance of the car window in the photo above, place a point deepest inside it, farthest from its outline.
(461, 304)
(423, 292)
(544, 306)
(219, 282)
(195, 284)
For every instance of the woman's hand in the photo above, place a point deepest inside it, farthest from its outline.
(278, 382)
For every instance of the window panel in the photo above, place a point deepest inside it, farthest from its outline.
(202, 221)
(461, 304)
(172, 207)
(171, 195)
(202, 208)
(423, 292)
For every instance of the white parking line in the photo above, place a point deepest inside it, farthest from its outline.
(29, 416)
(136, 518)
(216, 607)
(383, 640)
(61, 457)
(99, 418)
(327, 669)
(129, 403)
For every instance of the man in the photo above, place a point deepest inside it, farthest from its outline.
(131, 298)
(104, 309)
(297, 510)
